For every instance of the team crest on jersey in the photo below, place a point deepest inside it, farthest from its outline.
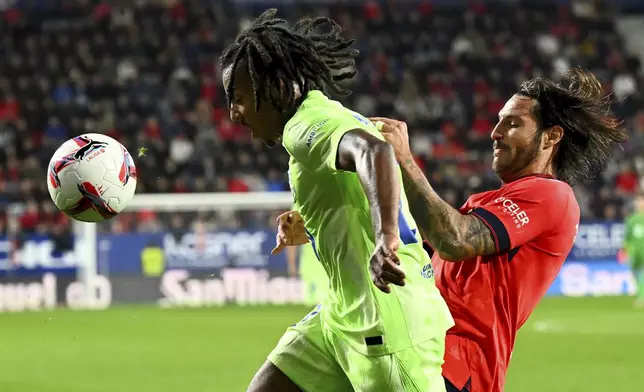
(428, 271)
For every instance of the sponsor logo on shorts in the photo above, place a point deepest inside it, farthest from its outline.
(427, 271)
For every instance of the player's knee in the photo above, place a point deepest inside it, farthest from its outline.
(269, 378)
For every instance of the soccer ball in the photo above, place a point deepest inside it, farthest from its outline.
(91, 177)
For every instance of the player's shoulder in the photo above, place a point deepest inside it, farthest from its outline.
(316, 106)
(319, 106)
(555, 196)
(319, 113)
(541, 187)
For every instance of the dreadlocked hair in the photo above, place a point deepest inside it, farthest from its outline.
(279, 58)
(590, 130)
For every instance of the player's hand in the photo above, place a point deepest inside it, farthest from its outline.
(290, 231)
(384, 264)
(395, 133)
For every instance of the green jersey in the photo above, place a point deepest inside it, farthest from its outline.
(634, 238)
(336, 215)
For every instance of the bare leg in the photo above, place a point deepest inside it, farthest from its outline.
(270, 379)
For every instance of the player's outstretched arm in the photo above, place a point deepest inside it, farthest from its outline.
(374, 162)
(456, 237)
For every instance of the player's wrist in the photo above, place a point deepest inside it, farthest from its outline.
(384, 234)
(407, 161)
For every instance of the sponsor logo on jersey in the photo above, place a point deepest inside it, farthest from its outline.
(361, 119)
(428, 271)
(511, 208)
(314, 132)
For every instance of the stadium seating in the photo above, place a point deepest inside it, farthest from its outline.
(147, 75)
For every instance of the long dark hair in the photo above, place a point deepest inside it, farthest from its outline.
(275, 54)
(591, 131)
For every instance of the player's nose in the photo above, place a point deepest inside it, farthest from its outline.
(236, 115)
(496, 133)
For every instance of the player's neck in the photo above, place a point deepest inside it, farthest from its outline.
(530, 170)
(287, 114)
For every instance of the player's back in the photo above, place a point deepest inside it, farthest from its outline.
(337, 216)
(534, 221)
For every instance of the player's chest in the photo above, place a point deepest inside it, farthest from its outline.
(307, 186)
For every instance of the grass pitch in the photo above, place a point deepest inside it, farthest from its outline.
(582, 344)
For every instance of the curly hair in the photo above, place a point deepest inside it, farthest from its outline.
(590, 130)
(275, 54)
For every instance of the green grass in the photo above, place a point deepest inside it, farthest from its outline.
(589, 345)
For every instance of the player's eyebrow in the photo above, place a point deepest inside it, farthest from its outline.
(509, 116)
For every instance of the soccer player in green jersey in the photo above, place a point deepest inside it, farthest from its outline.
(366, 336)
(634, 246)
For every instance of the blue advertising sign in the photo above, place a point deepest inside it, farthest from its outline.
(122, 253)
(596, 278)
(36, 255)
(591, 270)
(598, 241)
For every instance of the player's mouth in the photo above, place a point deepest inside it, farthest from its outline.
(498, 148)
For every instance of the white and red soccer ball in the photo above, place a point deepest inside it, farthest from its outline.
(91, 177)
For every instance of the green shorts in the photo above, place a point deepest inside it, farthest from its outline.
(315, 359)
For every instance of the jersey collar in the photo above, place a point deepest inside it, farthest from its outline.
(539, 175)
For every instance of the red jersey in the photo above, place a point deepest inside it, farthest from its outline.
(534, 222)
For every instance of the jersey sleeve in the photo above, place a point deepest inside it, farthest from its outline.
(313, 139)
(525, 212)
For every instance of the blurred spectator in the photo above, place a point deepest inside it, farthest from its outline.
(146, 73)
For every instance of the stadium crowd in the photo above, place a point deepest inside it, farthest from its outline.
(147, 74)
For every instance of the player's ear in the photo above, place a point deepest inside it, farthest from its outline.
(552, 136)
(296, 90)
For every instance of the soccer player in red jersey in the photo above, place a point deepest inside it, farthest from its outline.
(495, 257)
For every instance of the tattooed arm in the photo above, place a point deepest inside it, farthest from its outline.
(454, 236)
